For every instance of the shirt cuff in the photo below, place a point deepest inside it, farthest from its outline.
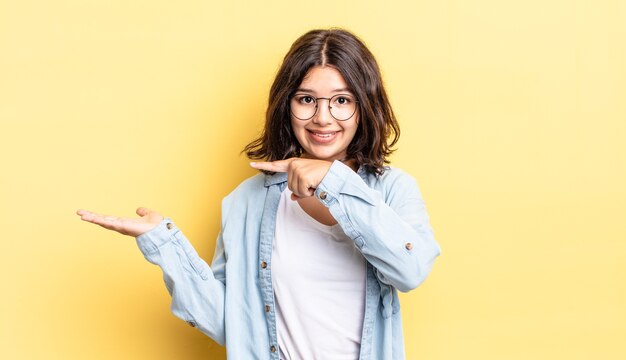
(341, 179)
(150, 241)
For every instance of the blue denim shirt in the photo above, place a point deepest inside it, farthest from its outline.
(232, 301)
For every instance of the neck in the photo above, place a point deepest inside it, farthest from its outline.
(351, 163)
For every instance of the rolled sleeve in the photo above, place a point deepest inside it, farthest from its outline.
(150, 241)
(390, 228)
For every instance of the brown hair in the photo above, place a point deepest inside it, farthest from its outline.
(378, 129)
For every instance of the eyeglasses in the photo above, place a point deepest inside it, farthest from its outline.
(341, 106)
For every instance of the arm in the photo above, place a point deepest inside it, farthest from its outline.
(395, 237)
(197, 291)
(393, 234)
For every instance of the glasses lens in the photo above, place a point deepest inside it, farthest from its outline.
(303, 106)
(342, 106)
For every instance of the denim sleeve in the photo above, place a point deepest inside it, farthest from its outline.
(197, 292)
(393, 234)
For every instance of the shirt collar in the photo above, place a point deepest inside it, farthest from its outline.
(275, 178)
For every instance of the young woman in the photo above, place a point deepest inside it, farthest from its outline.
(313, 249)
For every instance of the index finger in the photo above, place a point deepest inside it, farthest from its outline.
(274, 166)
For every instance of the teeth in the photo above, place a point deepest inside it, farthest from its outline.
(327, 135)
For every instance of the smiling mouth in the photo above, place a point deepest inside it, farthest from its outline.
(322, 133)
(322, 136)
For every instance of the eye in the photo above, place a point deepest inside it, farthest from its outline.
(343, 100)
(306, 99)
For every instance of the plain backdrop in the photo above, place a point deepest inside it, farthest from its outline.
(513, 119)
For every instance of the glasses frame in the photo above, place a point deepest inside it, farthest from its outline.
(330, 111)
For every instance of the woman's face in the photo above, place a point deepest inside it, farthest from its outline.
(322, 136)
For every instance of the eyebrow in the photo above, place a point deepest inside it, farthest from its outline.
(333, 91)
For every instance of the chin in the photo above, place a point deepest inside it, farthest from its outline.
(322, 155)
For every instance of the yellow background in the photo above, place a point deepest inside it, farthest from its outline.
(513, 121)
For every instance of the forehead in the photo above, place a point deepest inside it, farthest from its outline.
(323, 79)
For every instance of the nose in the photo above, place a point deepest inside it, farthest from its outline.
(323, 116)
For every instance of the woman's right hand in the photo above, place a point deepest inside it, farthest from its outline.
(127, 226)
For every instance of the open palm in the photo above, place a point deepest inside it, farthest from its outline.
(128, 226)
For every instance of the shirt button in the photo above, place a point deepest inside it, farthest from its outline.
(273, 349)
(323, 195)
(191, 323)
(408, 246)
(169, 226)
(267, 308)
(263, 264)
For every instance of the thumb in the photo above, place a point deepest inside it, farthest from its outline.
(142, 211)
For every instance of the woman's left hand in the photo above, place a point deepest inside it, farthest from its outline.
(304, 175)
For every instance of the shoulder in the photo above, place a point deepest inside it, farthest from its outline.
(251, 184)
(392, 176)
(251, 189)
(394, 183)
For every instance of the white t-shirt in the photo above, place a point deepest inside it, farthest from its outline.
(318, 276)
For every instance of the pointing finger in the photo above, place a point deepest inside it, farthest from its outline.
(274, 166)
